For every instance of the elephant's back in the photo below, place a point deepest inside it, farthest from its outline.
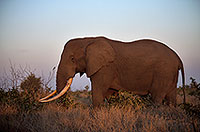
(147, 49)
(159, 50)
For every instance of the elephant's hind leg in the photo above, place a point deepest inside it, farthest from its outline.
(171, 97)
(164, 86)
(157, 98)
(159, 91)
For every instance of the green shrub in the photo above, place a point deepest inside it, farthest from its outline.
(193, 90)
(10, 97)
(124, 98)
(31, 89)
(26, 97)
(67, 101)
(196, 88)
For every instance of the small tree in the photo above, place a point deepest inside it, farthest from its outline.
(31, 85)
(31, 89)
(196, 87)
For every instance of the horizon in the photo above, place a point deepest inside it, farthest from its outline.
(34, 33)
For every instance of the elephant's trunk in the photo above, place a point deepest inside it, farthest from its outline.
(69, 82)
(61, 85)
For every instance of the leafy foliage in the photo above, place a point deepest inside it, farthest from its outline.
(31, 89)
(11, 97)
(124, 99)
(24, 92)
(196, 88)
(192, 90)
(125, 111)
(67, 101)
(25, 99)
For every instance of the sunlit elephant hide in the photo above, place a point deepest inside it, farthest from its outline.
(142, 66)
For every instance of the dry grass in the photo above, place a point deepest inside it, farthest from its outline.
(189, 99)
(73, 113)
(55, 118)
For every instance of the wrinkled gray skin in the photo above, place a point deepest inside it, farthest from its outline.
(143, 67)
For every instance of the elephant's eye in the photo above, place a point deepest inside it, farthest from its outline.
(72, 59)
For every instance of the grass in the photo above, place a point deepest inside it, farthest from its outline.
(21, 112)
(56, 118)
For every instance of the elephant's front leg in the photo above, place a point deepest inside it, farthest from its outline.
(97, 95)
(99, 90)
(101, 82)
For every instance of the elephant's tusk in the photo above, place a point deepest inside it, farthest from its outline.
(48, 96)
(69, 82)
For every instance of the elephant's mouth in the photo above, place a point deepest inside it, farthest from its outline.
(45, 99)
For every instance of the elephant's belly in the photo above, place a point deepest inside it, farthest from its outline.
(137, 84)
(138, 88)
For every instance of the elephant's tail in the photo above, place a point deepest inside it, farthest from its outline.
(183, 81)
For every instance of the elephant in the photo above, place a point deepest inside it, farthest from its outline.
(144, 67)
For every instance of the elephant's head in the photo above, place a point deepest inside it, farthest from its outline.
(85, 55)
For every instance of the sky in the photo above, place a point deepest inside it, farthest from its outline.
(33, 32)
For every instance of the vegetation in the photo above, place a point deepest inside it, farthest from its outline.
(21, 111)
(192, 107)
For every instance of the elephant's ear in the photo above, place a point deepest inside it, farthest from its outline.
(99, 53)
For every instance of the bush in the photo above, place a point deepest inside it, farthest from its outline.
(11, 97)
(196, 88)
(124, 99)
(20, 88)
(26, 97)
(31, 90)
(192, 90)
(67, 101)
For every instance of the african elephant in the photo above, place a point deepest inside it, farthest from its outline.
(142, 66)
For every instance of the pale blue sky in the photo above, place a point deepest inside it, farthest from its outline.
(33, 32)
